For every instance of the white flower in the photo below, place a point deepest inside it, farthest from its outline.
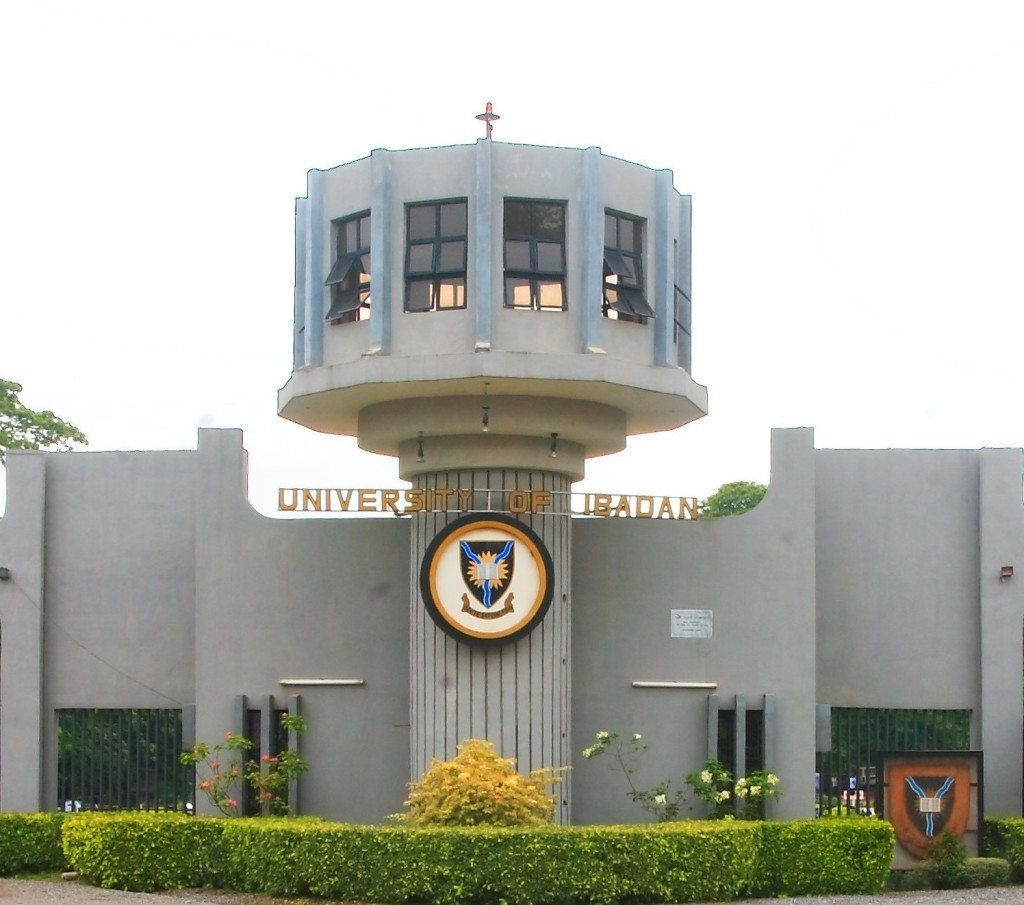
(659, 799)
(722, 796)
(589, 752)
(755, 791)
(741, 784)
(773, 779)
(741, 791)
(637, 736)
(601, 736)
(705, 776)
(729, 817)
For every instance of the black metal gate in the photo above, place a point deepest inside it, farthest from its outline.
(848, 777)
(122, 759)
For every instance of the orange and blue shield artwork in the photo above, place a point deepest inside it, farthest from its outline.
(487, 568)
(926, 801)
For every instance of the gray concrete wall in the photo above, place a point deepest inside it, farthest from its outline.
(756, 572)
(119, 584)
(898, 578)
(1002, 619)
(305, 600)
(22, 550)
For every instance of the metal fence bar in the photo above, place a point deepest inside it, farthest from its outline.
(117, 759)
(849, 776)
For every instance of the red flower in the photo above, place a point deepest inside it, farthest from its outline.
(205, 785)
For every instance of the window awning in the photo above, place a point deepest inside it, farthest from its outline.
(618, 264)
(631, 301)
(341, 268)
(347, 301)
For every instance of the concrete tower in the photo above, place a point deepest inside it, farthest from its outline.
(492, 315)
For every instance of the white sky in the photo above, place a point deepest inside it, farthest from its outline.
(857, 172)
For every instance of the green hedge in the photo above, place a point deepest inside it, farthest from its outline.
(143, 852)
(980, 872)
(823, 857)
(30, 842)
(673, 862)
(1003, 837)
(683, 862)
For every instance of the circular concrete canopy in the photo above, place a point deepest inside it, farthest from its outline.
(329, 398)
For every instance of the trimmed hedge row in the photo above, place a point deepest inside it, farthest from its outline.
(144, 852)
(823, 857)
(1003, 837)
(674, 862)
(683, 862)
(29, 843)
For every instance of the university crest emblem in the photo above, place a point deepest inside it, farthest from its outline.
(486, 579)
(926, 800)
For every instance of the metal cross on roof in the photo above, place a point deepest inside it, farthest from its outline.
(488, 116)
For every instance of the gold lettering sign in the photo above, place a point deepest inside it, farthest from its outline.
(517, 501)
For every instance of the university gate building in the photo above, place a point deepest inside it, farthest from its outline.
(493, 315)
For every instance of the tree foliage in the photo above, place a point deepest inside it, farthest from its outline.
(732, 499)
(25, 428)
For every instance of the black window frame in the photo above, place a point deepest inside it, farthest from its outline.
(534, 275)
(622, 293)
(436, 276)
(349, 277)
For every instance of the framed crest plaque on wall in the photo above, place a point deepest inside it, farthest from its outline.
(487, 579)
(927, 794)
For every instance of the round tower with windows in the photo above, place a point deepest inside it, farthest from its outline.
(492, 315)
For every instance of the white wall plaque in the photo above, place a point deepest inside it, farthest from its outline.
(691, 623)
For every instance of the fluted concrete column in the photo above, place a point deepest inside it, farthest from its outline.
(516, 695)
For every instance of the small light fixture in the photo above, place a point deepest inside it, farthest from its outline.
(419, 447)
(5, 573)
(554, 447)
(1006, 573)
(486, 418)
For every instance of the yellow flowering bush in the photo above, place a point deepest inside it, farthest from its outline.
(480, 787)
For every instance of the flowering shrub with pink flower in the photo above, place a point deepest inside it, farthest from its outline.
(225, 766)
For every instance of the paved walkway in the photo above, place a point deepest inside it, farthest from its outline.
(42, 892)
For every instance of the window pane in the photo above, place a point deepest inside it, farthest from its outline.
(364, 232)
(551, 294)
(352, 235)
(517, 255)
(418, 295)
(451, 293)
(610, 238)
(364, 268)
(453, 219)
(627, 234)
(549, 221)
(629, 275)
(517, 218)
(549, 257)
(453, 256)
(421, 258)
(517, 293)
(422, 221)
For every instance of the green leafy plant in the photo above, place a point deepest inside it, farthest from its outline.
(224, 767)
(947, 861)
(30, 842)
(711, 784)
(754, 790)
(25, 428)
(480, 787)
(732, 499)
(662, 800)
(271, 776)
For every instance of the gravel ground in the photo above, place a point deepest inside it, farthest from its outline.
(44, 892)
